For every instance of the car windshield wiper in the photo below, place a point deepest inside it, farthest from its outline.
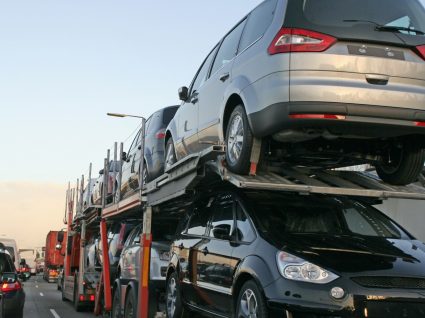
(389, 28)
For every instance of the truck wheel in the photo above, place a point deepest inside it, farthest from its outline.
(238, 141)
(251, 302)
(116, 304)
(403, 165)
(170, 154)
(130, 310)
(63, 294)
(174, 307)
(77, 304)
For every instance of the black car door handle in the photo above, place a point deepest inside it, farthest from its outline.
(224, 77)
(205, 251)
(181, 246)
(194, 98)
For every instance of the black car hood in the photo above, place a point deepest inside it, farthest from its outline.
(355, 254)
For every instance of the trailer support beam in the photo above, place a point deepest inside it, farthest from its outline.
(106, 267)
(146, 242)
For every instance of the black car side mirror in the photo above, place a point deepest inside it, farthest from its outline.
(124, 156)
(183, 93)
(222, 231)
(101, 171)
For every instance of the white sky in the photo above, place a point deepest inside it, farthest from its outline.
(64, 65)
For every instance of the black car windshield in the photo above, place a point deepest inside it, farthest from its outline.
(283, 215)
(358, 18)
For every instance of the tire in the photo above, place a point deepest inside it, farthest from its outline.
(251, 301)
(116, 304)
(407, 163)
(238, 141)
(77, 305)
(174, 307)
(130, 310)
(63, 295)
(170, 154)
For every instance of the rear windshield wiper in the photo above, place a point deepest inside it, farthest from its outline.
(389, 28)
(398, 29)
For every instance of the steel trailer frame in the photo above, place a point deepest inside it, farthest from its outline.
(185, 178)
(85, 217)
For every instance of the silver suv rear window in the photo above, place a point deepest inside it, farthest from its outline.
(359, 18)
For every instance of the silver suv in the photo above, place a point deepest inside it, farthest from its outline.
(325, 83)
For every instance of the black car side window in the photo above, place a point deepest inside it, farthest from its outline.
(244, 230)
(198, 223)
(258, 22)
(228, 47)
(222, 223)
(136, 235)
(201, 77)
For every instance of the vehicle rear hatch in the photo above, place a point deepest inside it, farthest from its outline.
(357, 54)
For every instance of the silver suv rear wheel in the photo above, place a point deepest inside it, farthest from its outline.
(238, 141)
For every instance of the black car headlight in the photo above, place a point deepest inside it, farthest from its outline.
(295, 268)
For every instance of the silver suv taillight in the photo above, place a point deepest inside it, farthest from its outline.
(300, 40)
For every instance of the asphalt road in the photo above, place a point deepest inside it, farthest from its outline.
(43, 300)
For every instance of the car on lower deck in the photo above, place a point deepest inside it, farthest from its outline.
(267, 254)
(322, 83)
(129, 267)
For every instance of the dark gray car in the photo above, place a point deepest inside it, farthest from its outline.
(13, 295)
(325, 83)
(154, 151)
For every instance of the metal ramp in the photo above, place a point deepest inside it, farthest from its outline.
(208, 166)
(347, 183)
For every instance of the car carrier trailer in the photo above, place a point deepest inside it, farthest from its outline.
(79, 286)
(177, 189)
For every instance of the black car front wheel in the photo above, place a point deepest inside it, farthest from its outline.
(251, 302)
(174, 306)
(238, 141)
(402, 164)
(116, 304)
(130, 310)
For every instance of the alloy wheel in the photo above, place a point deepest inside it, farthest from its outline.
(235, 139)
(248, 307)
(171, 297)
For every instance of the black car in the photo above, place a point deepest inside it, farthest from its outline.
(13, 295)
(154, 151)
(260, 254)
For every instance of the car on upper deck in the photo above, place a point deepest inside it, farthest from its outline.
(114, 169)
(325, 83)
(153, 161)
